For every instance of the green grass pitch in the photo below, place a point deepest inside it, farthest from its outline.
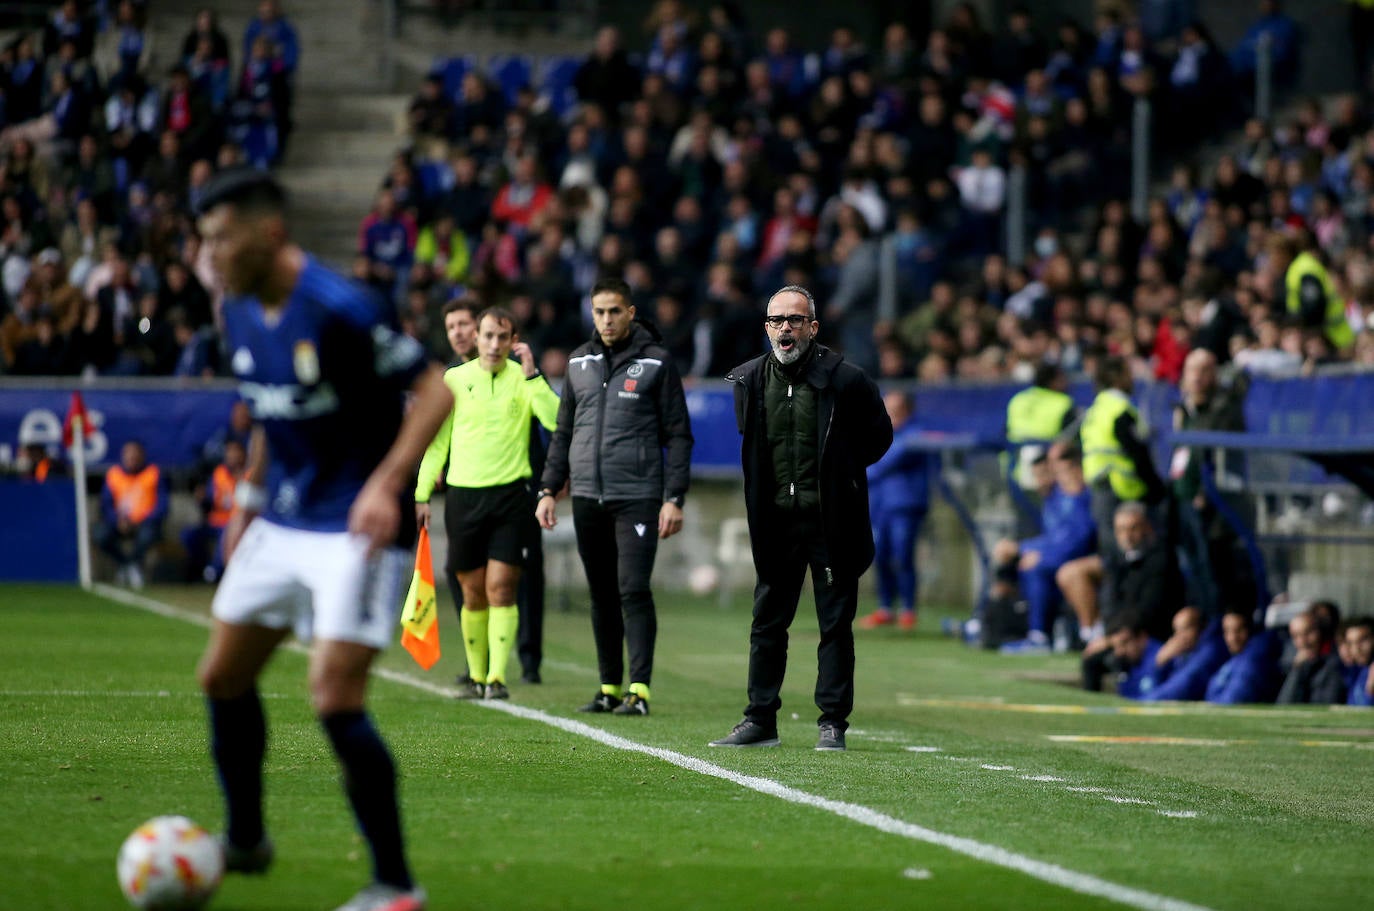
(1042, 787)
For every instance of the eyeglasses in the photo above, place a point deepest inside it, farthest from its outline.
(795, 320)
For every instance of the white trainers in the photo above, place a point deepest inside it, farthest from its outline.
(381, 897)
(135, 577)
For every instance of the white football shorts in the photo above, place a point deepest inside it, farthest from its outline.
(321, 584)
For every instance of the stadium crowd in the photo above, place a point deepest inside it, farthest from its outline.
(105, 143)
(723, 162)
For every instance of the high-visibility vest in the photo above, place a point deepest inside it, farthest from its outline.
(1102, 452)
(1335, 326)
(222, 484)
(1034, 415)
(42, 470)
(135, 496)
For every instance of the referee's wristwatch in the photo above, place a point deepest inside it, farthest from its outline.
(675, 500)
(547, 493)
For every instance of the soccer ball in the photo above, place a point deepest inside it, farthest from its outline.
(170, 864)
(703, 579)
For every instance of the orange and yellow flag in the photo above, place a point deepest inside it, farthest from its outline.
(420, 618)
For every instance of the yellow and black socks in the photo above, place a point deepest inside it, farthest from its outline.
(475, 633)
(505, 621)
(641, 690)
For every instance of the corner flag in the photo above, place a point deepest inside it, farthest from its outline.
(78, 421)
(420, 618)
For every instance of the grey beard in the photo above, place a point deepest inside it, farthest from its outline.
(790, 357)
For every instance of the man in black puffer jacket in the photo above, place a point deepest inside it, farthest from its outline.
(625, 439)
(812, 425)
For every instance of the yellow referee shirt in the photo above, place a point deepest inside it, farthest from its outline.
(486, 437)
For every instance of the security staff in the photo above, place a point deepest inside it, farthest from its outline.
(1116, 461)
(1035, 416)
(1308, 293)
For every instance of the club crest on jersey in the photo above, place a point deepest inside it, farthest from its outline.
(307, 362)
(242, 362)
(631, 384)
(634, 369)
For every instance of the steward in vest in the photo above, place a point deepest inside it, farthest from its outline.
(1116, 461)
(133, 505)
(1035, 417)
(202, 542)
(1308, 293)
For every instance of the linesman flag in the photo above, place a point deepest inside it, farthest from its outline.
(420, 618)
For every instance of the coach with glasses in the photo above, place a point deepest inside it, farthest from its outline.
(812, 423)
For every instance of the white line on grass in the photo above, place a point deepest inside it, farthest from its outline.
(1053, 874)
(121, 694)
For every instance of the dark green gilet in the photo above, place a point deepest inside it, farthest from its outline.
(790, 404)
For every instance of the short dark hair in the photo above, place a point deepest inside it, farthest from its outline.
(612, 285)
(467, 302)
(1046, 374)
(1357, 622)
(245, 188)
(1244, 613)
(1111, 370)
(501, 315)
(1129, 620)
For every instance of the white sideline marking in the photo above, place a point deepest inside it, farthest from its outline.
(997, 768)
(122, 694)
(1178, 814)
(1053, 874)
(1042, 778)
(923, 749)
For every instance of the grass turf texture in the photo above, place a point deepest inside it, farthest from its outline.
(101, 727)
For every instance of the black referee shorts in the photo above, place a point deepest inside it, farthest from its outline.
(487, 523)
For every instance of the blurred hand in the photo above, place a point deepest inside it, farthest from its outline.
(375, 514)
(546, 512)
(523, 351)
(669, 520)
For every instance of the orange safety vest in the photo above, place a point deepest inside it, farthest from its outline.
(135, 496)
(41, 470)
(222, 484)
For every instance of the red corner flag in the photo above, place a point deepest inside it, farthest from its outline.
(75, 410)
(420, 618)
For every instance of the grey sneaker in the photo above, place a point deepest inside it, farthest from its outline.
(381, 897)
(252, 860)
(831, 737)
(604, 702)
(749, 734)
(497, 690)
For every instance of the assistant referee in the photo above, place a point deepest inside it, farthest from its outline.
(486, 440)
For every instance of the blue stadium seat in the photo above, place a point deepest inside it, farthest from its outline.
(434, 178)
(452, 69)
(556, 83)
(512, 72)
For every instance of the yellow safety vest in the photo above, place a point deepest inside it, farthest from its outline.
(1034, 415)
(1102, 452)
(1336, 328)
